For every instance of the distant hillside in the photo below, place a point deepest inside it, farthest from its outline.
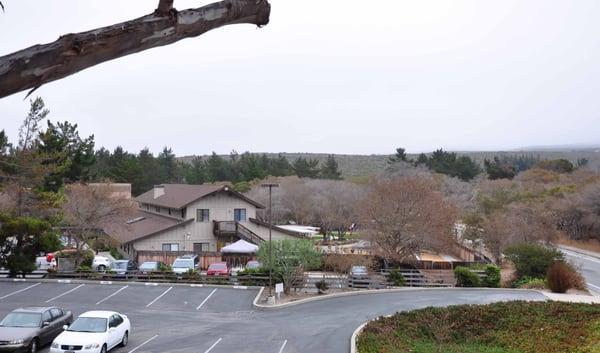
(354, 165)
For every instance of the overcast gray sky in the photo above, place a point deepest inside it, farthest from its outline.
(340, 76)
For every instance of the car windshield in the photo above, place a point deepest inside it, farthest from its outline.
(148, 266)
(253, 264)
(22, 320)
(88, 324)
(181, 263)
(359, 269)
(119, 265)
(217, 267)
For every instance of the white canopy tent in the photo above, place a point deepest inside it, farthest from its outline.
(240, 247)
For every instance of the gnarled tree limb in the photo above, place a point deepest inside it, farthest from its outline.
(32, 67)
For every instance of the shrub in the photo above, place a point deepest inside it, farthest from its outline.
(165, 268)
(397, 278)
(84, 268)
(530, 283)
(492, 276)
(116, 254)
(532, 260)
(322, 286)
(466, 278)
(86, 257)
(562, 276)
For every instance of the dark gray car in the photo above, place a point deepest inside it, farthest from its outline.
(28, 329)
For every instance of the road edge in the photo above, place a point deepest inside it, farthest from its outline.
(381, 291)
(354, 336)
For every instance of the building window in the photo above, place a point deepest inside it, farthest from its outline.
(157, 209)
(183, 213)
(148, 207)
(239, 214)
(201, 247)
(170, 247)
(169, 211)
(202, 215)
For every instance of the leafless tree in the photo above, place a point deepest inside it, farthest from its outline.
(91, 209)
(404, 215)
(34, 66)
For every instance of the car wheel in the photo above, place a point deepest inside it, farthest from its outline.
(103, 349)
(34, 346)
(125, 339)
(101, 268)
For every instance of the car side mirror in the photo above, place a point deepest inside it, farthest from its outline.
(65, 327)
(45, 324)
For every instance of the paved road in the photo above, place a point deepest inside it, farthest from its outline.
(590, 267)
(201, 320)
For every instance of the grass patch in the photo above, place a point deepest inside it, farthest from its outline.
(510, 327)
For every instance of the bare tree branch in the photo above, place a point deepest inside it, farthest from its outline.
(71, 53)
(164, 6)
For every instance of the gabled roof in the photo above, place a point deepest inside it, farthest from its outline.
(144, 224)
(178, 196)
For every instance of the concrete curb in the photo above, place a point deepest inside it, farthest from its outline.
(130, 283)
(255, 302)
(381, 291)
(354, 337)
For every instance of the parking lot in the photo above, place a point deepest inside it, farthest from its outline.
(164, 318)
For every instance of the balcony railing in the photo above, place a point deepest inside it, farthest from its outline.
(229, 228)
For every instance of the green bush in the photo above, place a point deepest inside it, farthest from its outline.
(84, 268)
(492, 276)
(116, 254)
(86, 257)
(465, 277)
(530, 283)
(532, 260)
(396, 278)
(165, 268)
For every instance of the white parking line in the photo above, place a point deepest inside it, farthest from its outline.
(205, 299)
(143, 343)
(214, 344)
(112, 295)
(19, 291)
(282, 346)
(65, 293)
(160, 296)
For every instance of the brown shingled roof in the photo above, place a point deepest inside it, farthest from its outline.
(143, 224)
(178, 196)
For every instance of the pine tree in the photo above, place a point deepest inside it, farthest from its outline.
(329, 170)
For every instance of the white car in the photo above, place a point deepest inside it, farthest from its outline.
(101, 263)
(93, 332)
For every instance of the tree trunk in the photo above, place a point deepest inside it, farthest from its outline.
(30, 68)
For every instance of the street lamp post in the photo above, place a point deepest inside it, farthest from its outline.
(270, 186)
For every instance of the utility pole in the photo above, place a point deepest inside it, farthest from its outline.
(270, 186)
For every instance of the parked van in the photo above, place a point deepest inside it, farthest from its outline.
(185, 263)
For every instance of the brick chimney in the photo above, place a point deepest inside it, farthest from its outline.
(159, 190)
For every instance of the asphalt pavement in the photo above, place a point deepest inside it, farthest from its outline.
(589, 262)
(180, 319)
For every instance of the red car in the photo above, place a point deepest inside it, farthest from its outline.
(218, 269)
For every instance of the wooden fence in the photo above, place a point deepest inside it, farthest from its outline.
(205, 259)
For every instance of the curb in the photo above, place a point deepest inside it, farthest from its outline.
(354, 337)
(381, 291)
(130, 283)
(579, 251)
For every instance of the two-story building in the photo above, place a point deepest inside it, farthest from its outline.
(182, 218)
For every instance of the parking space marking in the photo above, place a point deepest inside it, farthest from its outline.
(214, 345)
(112, 295)
(205, 299)
(282, 346)
(19, 291)
(65, 293)
(143, 343)
(160, 296)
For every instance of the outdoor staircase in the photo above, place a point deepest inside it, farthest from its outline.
(234, 228)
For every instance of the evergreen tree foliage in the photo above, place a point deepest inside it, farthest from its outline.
(329, 170)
